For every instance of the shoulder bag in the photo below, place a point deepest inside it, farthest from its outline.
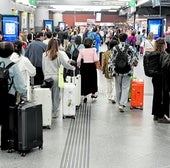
(60, 74)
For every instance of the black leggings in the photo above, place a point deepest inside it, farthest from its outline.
(5, 120)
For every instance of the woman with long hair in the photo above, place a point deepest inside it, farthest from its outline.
(160, 103)
(52, 59)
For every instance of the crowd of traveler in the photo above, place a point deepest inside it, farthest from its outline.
(40, 55)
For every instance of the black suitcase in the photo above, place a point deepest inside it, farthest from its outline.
(29, 131)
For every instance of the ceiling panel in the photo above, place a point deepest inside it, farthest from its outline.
(95, 5)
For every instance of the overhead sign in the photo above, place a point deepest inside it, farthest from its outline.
(132, 3)
(33, 2)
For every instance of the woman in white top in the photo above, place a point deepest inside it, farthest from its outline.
(51, 61)
(149, 43)
(24, 64)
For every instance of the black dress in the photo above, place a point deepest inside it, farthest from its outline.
(88, 78)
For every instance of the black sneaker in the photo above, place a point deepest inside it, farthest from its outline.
(163, 120)
(113, 101)
(155, 118)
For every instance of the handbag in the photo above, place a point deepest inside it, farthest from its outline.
(47, 83)
(60, 77)
(60, 74)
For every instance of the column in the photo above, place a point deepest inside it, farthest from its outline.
(41, 13)
(5, 7)
(58, 17)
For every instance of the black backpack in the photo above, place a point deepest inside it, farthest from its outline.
(121, 63)
(75, 53)
(5, 80)
(151, 63)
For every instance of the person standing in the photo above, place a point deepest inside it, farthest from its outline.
(122, 76)
(110, 80)
(131, 40)
(53, 57)
(17, 86)
(138, 41)
(95, 37)
(31, 36)
(160, 102)
(77, 44)
(148, 43)
(34, 53)
(87, 59)
(48, 37)
(24, 64)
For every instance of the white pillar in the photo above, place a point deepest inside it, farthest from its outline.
(5, 7)
(41, 13)
(57, 17)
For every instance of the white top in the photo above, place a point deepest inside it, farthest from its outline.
(50, 67)
(148, 45)
(26, 68)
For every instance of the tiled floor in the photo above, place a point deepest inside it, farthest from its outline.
(115, 140)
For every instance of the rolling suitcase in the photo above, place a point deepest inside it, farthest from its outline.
(68, 100)
(43, 96)
(130, 89)
(25, 127)
(77, 81)
(30, 132)
(137, 94)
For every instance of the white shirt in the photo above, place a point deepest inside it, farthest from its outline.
(26, 68)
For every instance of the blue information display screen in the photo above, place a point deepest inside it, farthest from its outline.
(62, 25)
(49, 23)
(155, 26)
(10, 28)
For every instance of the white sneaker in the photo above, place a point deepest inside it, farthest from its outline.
(167, 117)
(121, 109)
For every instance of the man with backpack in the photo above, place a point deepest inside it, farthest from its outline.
(120, 65)
(11, 82)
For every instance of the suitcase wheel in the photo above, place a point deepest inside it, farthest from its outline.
(10, 150)
(40, 147)
(73, 117)
(23, 154)
(77, 107)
